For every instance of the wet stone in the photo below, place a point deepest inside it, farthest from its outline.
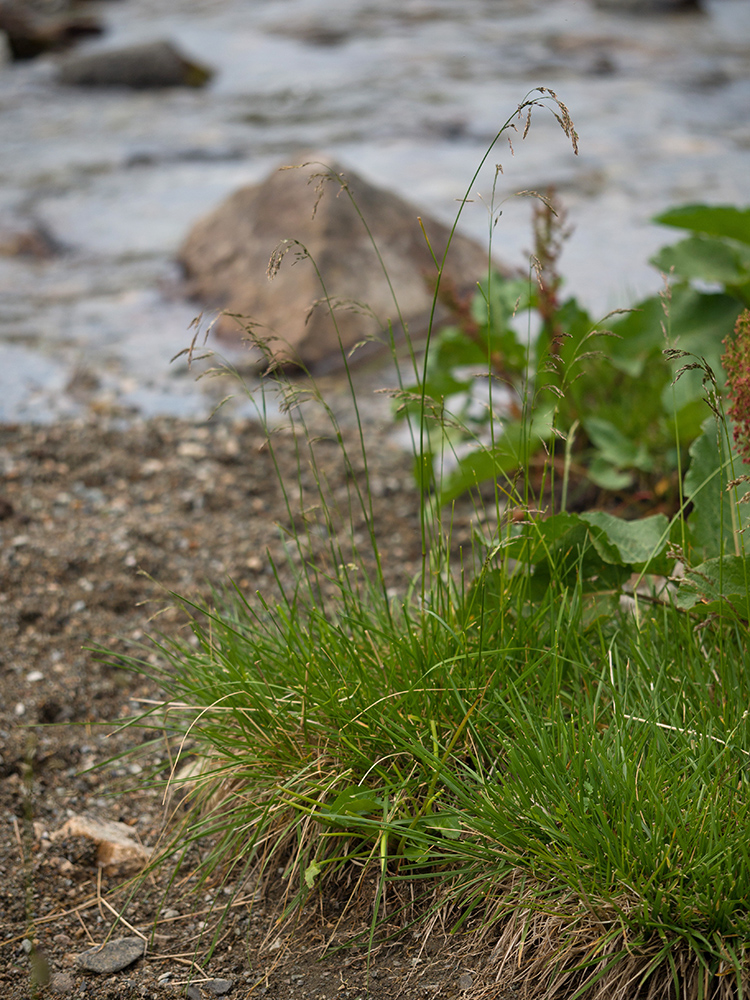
(113, 956)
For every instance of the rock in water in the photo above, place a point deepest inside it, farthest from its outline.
(112, 956)
(140, 67)
(21, 237)
(30, 32)
(226, 258)
(650, 6)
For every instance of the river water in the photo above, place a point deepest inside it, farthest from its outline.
(408, 93)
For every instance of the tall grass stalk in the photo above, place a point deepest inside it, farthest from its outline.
(549, 775)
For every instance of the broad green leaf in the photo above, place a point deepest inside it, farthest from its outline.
(452, 348)
(494, 308)
(482, 465)
(615, 447)
(608, 476)
(695, 322)
(699, 323)
(311, 873)
(718, 586)
(640, 337)
(512, 450)
(599, 549)
(716, 520)
(353, 801)
(638, 542)
(713, 220)
(447, 823)
(689, 419)
(690, 319)
(703, 486)
(706, 259)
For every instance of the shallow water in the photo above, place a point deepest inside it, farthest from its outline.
(407, 92)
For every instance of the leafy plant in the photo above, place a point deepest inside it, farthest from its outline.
(717, 252)
(610, 393)
(534, 742)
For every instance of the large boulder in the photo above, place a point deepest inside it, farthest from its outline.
(226, 260)
(153, 65)
(31, 31)
(24, 237)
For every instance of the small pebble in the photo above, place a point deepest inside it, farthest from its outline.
(191, 449)
(62, 982)
(465, 981)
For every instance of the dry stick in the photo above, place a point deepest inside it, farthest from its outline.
(19, 840)
(98, 900)
(664, 725)
(677, 729)
(99, 891)
(86, 905)
(179, 957)
(85, 928)
(268, 972)
(122, 920)
(200, 913)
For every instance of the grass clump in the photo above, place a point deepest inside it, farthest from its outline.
(543, 741)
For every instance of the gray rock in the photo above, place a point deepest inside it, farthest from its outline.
(62, 982)
(141, 67)
(649, 6)
(30, 32)
(226, 258)
(112, 956)
(219, 986)
(25, 237)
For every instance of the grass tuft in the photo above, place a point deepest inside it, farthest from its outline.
(505, 749)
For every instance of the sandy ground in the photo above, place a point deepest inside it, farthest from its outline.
(99, 521)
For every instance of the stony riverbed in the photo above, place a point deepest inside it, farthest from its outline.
(409, 93)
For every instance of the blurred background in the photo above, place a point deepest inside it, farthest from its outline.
(101, 184)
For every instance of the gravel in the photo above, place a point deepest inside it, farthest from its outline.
(100, 521)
